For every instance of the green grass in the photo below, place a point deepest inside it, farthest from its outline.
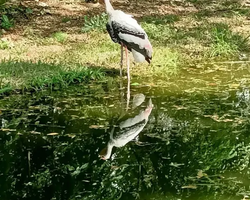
(6, 23)
(4, 44)
(173, 47)
(2, 2)
(97, 22)
(178, 40)
(60, 37)
(170, 35)
(225, 42)
(208, 38)
(35, 76)
(65, 19)
(11, 11)
(166, 19)
(166, 62)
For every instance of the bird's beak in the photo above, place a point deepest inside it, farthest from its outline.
(102, 157)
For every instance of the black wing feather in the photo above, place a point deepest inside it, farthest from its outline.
(111, 33)
(119, 28)
(115, 28)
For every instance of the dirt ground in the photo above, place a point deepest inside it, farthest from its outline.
(51, 16)
(48, 15)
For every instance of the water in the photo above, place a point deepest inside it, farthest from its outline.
(195, 144)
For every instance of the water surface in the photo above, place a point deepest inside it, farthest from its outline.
(195, 144)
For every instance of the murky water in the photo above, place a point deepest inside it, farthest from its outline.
(193, 143)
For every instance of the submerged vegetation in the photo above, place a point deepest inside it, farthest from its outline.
(52, 140)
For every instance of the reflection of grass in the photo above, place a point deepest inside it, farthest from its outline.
(28, 75)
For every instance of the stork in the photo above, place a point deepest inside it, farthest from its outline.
(127, 131)
(125, 30)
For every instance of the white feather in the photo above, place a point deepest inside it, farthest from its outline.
(137, 56)
(131, 24)
(125, 19)
(136, 40)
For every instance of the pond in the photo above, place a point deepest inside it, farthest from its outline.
(185, 137)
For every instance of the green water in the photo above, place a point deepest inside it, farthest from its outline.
(194, 146)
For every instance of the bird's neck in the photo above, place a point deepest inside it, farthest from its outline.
(109, 7)
(109, 150)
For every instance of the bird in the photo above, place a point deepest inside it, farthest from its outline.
(125, 30)
(127, 131)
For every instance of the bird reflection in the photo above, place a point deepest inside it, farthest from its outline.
(126, 131)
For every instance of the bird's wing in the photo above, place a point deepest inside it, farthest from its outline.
(122, 27)
(138, 118)
(131, 34)
(125, 24)
(111, 33)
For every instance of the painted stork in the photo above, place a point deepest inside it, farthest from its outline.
(127, 131)
(125, 30)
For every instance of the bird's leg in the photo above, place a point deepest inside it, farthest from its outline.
(128, 77)
(121, 81)
(121, 63)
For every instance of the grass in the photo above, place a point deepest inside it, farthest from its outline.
(178, 40)
(6, 23)
(166, 19)
(60, 37)
(4, 44)
(36, 76)
(225, 42)
(11, 11)
(97, 22)
(166, 62)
